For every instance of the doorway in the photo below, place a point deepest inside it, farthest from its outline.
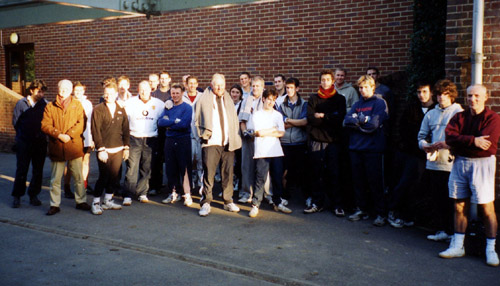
(20, 65)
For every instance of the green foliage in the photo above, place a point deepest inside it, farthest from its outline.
(427, 45)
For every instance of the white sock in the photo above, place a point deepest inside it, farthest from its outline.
(108, 197)
(459, 240)
(490, 244)
(97, 200)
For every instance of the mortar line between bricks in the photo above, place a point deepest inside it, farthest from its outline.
(190, 259)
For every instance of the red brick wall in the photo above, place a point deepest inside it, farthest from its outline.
(459, 47)
(296, 37)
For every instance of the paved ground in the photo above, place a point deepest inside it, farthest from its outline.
(155, 244)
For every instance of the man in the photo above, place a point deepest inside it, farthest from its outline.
(153, 81)
(31, 143)
(366, 146)
(473, 137)
(191, 97)
(177, 120)
(345, 88)
(143, 112)
(246, 84)
(88, 143)
(409, 163)
(294, 142)
(63, 120)
(279, 84)
(217, 125)
(325, 113)
(249, 105)
(163, 93)
(123, 94)
(110, 130)
(431, 139)
(156, 180)
(381, 89)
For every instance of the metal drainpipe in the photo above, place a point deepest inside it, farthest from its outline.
(477, 42)
(477, 60)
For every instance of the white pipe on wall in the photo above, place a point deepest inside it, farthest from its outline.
(477, 42)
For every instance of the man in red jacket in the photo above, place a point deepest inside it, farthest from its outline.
(473, 137)
(63, 121)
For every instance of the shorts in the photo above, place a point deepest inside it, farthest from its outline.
(473, 178)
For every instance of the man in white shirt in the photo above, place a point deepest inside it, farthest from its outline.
(143, 113)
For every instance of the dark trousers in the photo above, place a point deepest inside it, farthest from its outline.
(156, 180)
(27, 152)
(139, 165)
(212, 155)
(263, 166)
(443, 208)
(108, 174)
(324, 170)
(294, 164)
(178, 163)
(408, 170)
(367, 172)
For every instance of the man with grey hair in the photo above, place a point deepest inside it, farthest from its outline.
(217, 125)
(473, 137)
(249, 105)
(63, 120)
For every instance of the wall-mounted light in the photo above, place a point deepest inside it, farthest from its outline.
(14, 38)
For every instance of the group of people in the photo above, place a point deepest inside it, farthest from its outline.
(266, 143)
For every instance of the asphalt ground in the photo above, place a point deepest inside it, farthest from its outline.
(157, 244)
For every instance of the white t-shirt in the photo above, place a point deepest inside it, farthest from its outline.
(267, 147)
(143, 117)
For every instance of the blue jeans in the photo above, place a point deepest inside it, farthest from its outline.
(139, 165)
(263, 166)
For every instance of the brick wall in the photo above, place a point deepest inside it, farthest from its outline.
(296, 37)
(459, 47)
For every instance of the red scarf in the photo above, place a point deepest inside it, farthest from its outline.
(326, 93)
(64, 103)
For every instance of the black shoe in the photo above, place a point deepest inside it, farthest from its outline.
(16, 203)
(83, 207)
(53, 210)
(34, 201)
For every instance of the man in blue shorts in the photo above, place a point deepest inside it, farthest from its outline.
(473, 137)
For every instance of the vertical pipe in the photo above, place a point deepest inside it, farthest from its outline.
(477, 42)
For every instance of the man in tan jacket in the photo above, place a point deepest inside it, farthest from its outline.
(63, 121)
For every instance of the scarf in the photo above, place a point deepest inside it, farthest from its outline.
(63, 102)
(326, 93)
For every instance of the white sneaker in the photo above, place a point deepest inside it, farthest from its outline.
(254, 211)
(491, 258)
(269, 199)
(96, 209)
(452, 251)
(110, 205)
(231, 207)
(172, 198)
(205, 210)
(143, 199)
(284, 202)
(188, 200)
(127, 201)
(282, 208)
(245, 199)
(439, 236)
